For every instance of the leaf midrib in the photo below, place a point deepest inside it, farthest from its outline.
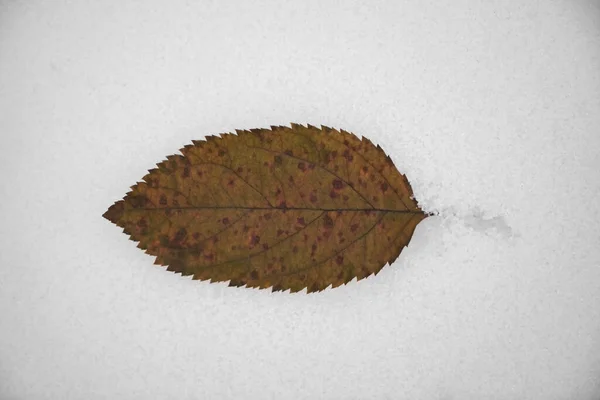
(319, 209)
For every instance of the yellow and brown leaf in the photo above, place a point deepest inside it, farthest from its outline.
(287, 207)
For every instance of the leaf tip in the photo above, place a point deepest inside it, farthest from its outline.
(114, 212)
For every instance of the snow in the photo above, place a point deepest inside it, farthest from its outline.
(491, 109)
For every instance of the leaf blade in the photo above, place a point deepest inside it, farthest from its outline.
(287, 207)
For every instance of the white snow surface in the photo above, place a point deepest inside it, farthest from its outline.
(491, 108)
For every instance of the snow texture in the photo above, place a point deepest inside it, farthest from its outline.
(491, 108)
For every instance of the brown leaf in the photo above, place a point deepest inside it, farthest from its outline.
(287, 208)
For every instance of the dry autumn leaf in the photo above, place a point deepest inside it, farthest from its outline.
(287, 208)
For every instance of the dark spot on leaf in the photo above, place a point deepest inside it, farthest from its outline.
(221, 153)
(277, 160)
(302, 166)
(348, 156)
(225, 221)
(254, 274)
(339, 260)
(180, 235)
(254, 240)
(353, 227)
(301, 221)
(265, 246)
(279, 232)
(337, 184)
(138, 201)
(313, 197)
(186, 172)
(327, 221)
(384, 187)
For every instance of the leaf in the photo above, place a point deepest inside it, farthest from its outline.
(287, 208)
